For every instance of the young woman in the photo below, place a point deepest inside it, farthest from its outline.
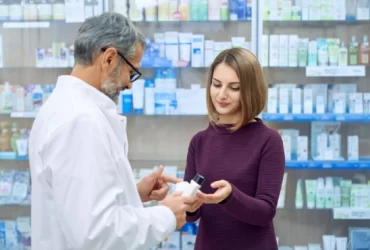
(241, 159)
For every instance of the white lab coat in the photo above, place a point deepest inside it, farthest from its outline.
(84, 193)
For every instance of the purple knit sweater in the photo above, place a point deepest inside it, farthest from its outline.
(252, 160)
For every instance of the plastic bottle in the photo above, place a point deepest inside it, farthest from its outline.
(37, 97)
(127, 101)
(364, 51)
(194, 186)
(320, 193)
(7, 99)
(343, 55)
(15, 136)
(353, 51)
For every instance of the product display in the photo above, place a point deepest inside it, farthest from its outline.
(160, 96)
(15, 187)
(46, 10)
(13, 142)
(16, 234)
(186, 10)
(318, 98)
(288, 10)
(29, 98)
(295, 51)
(177, 49)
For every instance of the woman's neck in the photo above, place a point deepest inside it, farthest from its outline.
(229, 119)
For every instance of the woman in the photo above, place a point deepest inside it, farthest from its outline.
(241, 159)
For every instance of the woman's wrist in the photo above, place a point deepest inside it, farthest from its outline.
(226, 199)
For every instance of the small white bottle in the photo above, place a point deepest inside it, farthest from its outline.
(37, 97)
(7, 100)
(343, 55)
(194, 186)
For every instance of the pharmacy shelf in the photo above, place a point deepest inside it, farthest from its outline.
(23, 114)
(314, 23)
(335, 165)
(349, 213)
(268, 117)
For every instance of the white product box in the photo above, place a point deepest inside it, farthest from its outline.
(197, 56)
(274, 51)
(265, 50)
(297, 101)
(302, 149)
(353, 148)
(283, 100)
(172, 47)
(307, 101)
(272, 103)
(356, 103)
(339, 103)
(209, 52)
(293, 51)
(366, 103)
(283, 50)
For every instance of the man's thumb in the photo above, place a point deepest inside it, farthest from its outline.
(158, 172)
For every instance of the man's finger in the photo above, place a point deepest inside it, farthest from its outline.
(163, 190)
(171, 179)
(176, 194)
(156, 173)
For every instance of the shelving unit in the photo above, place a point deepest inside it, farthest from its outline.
(163, 139)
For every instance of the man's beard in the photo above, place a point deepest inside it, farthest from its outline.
(113, 86)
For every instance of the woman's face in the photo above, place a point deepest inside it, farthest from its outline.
(225, 92)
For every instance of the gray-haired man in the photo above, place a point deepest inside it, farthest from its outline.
(84, 195)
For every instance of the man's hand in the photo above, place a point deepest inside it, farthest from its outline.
(154, 186)
(178, 205)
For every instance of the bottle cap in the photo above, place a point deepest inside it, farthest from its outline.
(199, 179)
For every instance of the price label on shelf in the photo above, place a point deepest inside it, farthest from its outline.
(336, 71)
(25, 25)
(351, 213)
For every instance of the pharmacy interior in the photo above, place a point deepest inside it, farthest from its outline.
(315, 58)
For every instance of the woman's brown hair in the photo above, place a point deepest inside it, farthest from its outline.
(253, 89)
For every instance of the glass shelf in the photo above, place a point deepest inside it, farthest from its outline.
(268, 117)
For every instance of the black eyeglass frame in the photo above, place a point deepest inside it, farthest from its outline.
(133, 76)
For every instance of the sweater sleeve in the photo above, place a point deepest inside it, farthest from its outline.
(260, 209)
(190, 172)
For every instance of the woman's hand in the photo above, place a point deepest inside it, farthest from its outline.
(224, 190)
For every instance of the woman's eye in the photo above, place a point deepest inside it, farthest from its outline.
(235, 89)
(217, 85)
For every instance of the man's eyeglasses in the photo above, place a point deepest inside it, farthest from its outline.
(134, 75)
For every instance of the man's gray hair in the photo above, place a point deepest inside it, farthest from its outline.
(106, 30)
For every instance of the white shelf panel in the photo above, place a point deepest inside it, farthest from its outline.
(336, 71)
(351, 213)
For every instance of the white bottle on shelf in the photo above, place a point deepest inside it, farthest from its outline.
(343, 55)
(7, 99)
(194, 186)
(37, 97)
(19, 107)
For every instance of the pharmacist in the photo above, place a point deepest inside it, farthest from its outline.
(84, 194)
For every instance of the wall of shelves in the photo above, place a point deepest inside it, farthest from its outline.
(164, 139)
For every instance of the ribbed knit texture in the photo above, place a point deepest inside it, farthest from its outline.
(252, 160)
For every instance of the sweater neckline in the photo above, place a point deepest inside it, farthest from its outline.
(225, 128)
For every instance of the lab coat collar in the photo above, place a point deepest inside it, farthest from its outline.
(92, 93)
